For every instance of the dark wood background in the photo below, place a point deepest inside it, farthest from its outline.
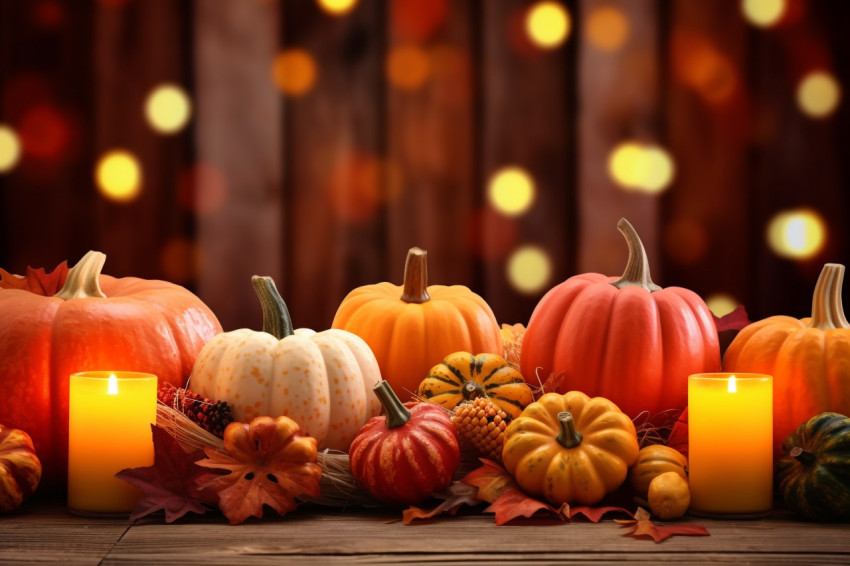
(327, 191)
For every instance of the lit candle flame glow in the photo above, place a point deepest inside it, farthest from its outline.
(732, 387)
(112, 385)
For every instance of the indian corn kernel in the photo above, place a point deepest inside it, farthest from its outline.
(481, 424)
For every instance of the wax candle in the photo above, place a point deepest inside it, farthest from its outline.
(730, 443)
(110, 417)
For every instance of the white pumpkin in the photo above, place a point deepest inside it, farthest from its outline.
(321, 380)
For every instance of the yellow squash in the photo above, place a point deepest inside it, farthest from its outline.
(570, 448)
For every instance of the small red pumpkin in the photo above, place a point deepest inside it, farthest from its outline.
(94, 322)
(625, 339)
(405, 455)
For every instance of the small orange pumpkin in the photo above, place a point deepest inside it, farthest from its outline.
(808, 358)
(413, 326)
(20, 468)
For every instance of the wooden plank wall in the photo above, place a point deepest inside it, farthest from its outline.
(328, 190)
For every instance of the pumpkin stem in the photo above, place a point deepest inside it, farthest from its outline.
(637, 266)
(276, 319)
(569, 437)
(827, 310)
(803, 456)
(472, 390)
(83, 279)
(416, 277)
(397, 413)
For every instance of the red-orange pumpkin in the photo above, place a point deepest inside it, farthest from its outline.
(95, 322)
(625, 339)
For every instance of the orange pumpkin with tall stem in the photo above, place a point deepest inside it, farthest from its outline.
(94, 322)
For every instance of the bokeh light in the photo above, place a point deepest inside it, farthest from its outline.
(168, 108)
(490, 235)
(607, 28)
(179, 260)
(641, 167)
(700, 65)
(356, 187)
(511, 191)
(45, 132)
(763, 13)
(547, 24)
(119, 176)
(337, 7)
(818, 94)
(529, 269)
(796, 234)
(10, 148)
(417, 20)
(721, 304)
(202, 189)
(408, 67)
(294, 72)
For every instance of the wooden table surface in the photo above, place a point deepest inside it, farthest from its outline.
(44, 531)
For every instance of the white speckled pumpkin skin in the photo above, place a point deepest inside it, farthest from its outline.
(323, 381)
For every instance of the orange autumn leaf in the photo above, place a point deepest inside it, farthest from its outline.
(514, 503)
(491, 479)
(643, 527)
(36, 281)
(269, 462)
(595, 514)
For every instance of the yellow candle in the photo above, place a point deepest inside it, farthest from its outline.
(110, 417)
(730, 443)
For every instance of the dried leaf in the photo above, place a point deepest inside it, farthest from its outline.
(491, 479)
(512, 336)
(595, 514)
(457, 495)
(168, 485)
(270, 463)
(36, 281)
(735, 320)
(643, 527)
(514, 503)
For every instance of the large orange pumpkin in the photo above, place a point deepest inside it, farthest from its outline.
(95, 322)
(625, 339)
(413, 326)
(809, 358)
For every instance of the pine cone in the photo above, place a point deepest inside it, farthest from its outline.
(212, 416)
(481, 424)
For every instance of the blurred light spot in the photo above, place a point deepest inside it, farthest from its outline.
(607, 28)
(699, 65)
(511, 191)
(10, 148)
(202, 189)
(547, 24)
(44, 132)
(796, 234)
(686, 241)
(721, 304)
(490, 235)
(178, 260)
(119, 176)
(168, 109)
(818, 94)
(452, 76)
(294, 72)
(641, 167)
(763, 13)
(529, 269)
(354, 189)
(417, 20)
(49, 14)
(408, 67)
(337, 7)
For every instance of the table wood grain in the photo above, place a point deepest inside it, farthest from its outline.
(44, 532)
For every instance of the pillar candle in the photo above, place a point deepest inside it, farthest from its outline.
(110, 417)
(730, 443)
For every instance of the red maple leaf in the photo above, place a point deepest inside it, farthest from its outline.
(595, 514)
(514, 503)
(36, 281)
(642, 527)
(168, 485)
(735, 320)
